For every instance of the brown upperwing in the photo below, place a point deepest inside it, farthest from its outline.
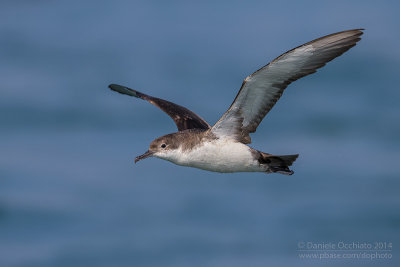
(183, 117)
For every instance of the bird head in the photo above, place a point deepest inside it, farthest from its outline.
(164, 147)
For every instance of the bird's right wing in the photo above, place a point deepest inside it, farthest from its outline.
(183, 118)
(262, 89)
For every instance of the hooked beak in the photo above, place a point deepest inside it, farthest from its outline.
(145, 155)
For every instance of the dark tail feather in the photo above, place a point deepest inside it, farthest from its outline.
(279, 164)
(289, 159)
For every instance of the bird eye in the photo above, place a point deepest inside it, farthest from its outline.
(163, 145)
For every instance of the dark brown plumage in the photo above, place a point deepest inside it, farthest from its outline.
(183, 117)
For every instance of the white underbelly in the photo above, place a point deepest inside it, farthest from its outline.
(220, 156)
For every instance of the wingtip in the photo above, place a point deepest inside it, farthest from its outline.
(357, 32)
(123, 90)
(116, 87)
(360, 30)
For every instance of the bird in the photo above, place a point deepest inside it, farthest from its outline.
(224, 147)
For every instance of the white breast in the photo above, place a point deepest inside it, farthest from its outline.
(218, 155)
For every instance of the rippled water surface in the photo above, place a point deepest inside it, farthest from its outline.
(70, 194)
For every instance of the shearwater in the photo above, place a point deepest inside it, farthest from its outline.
(223, 147)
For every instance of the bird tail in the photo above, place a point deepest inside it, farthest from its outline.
(279, 164)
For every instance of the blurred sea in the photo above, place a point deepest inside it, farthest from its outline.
(70, 194)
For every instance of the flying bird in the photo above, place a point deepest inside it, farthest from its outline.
(223, 147)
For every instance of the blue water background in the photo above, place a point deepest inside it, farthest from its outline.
(70, 194)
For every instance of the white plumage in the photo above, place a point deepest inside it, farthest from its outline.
(220, 155)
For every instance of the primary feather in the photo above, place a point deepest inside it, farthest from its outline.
(262, 89)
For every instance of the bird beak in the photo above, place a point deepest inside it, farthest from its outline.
(145, 155)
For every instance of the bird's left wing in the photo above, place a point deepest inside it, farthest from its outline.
(183, 118)
(262, 89)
